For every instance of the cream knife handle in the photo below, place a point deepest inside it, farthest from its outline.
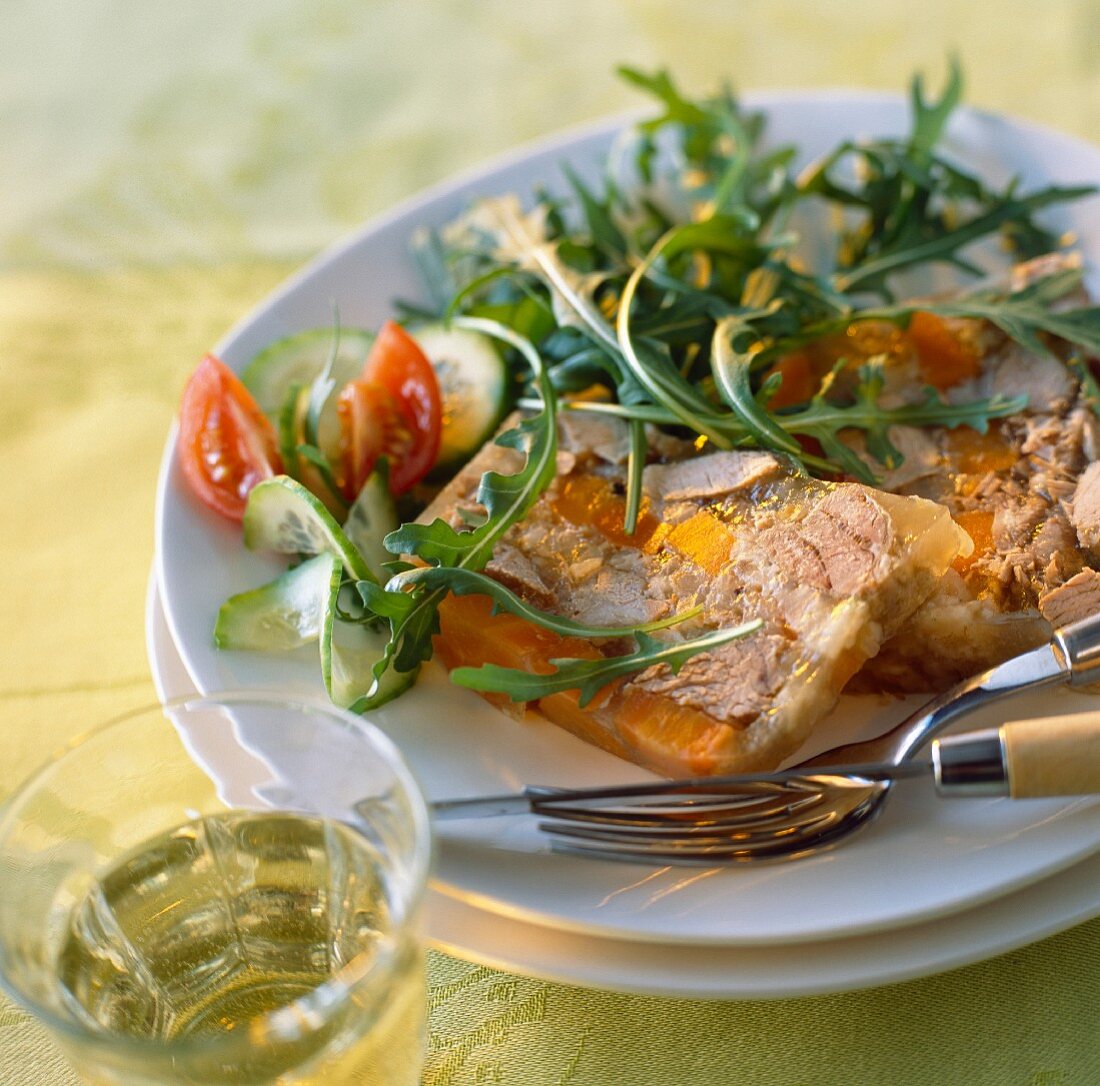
(1052, 756)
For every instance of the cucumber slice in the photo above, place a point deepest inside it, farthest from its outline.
(348, 655)
(299, 359)
(473, 382)
(371, 518)
(283, 516)
(316, 477)
(282, 615)
(289, 423)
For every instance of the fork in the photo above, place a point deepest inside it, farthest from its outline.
(799, 811)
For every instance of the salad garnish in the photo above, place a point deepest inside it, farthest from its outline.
(676, 293)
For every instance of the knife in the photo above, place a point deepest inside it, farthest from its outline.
(1050, 756)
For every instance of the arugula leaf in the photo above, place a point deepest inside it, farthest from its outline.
(334, 497)
(930, 118)
(464, 582)
(430, 253)
(825, 421)
(732, 369)
(635, 465)
(601, 225)
(651, 368)
(413, 620)
(589, 677)
(718, 142)
(324, 385)
(1090, 388)
(350, 654)
(1027, 312)
(523, 241)
(678, 109)
(1021, 315)
(917, 206)
(295, 453)
(942, 242)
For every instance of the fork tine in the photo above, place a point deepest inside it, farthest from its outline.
(773, 811)
(747, 802)
(728, 828)
(660, 793)
(808, 823)
(656, 859)
(688, 837)
(727, 857)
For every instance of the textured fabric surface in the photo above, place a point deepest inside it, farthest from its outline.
(165, 165)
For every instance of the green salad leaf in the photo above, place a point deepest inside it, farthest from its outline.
(589, 677)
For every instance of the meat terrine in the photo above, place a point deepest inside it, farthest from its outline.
(832, 569)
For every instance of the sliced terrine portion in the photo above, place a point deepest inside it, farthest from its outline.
(831, 569)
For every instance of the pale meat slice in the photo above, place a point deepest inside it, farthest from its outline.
(832, 570)
(1084, 510)
(1077, 599)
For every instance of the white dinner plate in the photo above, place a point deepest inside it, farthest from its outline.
(924, 858)
(715, 972)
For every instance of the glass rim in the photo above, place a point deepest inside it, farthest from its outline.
(328, 996)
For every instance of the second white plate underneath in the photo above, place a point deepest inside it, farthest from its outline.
(716, 972)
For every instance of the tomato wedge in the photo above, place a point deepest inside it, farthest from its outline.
(394, 409)
(371, 425)
(226, 443)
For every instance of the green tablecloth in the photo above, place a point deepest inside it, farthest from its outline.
(164, 165)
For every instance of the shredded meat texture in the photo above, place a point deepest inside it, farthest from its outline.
(824, 566)
(703, 682)
(921, 458)
(1048, 386)
(516, 571)
(590, 439)
(1028, 491)
(1038, 530)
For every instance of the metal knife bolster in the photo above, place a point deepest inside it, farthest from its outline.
(973, 764)
(1078, 646)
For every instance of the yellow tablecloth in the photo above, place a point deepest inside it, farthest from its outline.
(164, 165)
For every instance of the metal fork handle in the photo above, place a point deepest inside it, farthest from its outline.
(549, 801)
(1072, 657)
